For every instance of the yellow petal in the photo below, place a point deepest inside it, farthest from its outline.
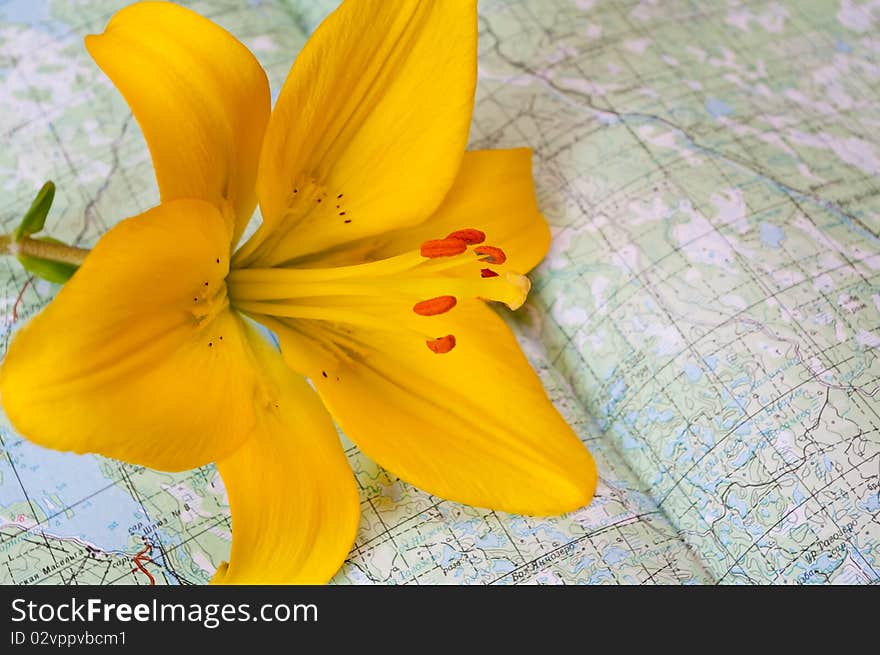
(473, 425)
(139, 357)
(200, 97)
(494, 193)
(370, 127)
(294, 502)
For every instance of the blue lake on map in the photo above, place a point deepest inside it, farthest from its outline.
(36, 14)
(771, 235)
(54, 480)
(718, 108)
(29, 12)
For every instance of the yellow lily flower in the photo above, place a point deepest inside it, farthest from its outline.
(381, 240)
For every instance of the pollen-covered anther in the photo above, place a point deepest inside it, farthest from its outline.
(448, 247)
(434, 306)
(492, 255)
(442, 345)
(488, 272)
(469, 235)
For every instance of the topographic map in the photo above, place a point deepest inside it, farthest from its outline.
(708, 318)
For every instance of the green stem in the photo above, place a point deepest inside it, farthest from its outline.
(56, 252)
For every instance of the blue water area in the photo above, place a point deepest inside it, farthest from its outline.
(693, 372)
(772, 236)
(448, 555)
(502, 566)
(628, 440)
(72, 490)
(615, 555)
(617, 390)
(744, 455)
(842, 46)
(489, 540)
(707, 436)
(585, 562)
(601, 576)
(27, 12)
(679, 444)
(871, 503)
(718, 108)
(32, 14)
(737, 502)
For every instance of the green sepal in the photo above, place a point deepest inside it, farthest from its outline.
(35, 218)
(57, 272)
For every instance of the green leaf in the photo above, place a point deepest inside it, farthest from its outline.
(48, 269)
(35, 218)
(57, 272)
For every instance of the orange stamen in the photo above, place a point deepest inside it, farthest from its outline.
(447, 247)
(488, 272)
(442, 345)
(493, 255)
(470, 236)
(434, 306)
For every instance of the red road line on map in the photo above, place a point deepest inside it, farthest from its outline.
(144, 554)
(20, 296)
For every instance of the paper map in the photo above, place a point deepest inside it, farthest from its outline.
(707, 318)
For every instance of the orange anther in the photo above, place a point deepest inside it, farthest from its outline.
(442, 345)
(488, 272)
(492, 254)
(469, 235)
(443, 248)
(434, 306)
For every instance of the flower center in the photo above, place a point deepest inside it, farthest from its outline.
(430, 281)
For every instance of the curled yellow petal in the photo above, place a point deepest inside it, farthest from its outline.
(467, 420)
(370, 126)
(294, 502)
(200, 97)
(139, 357)
(493, 193)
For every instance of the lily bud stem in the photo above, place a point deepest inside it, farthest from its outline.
(57, 252)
